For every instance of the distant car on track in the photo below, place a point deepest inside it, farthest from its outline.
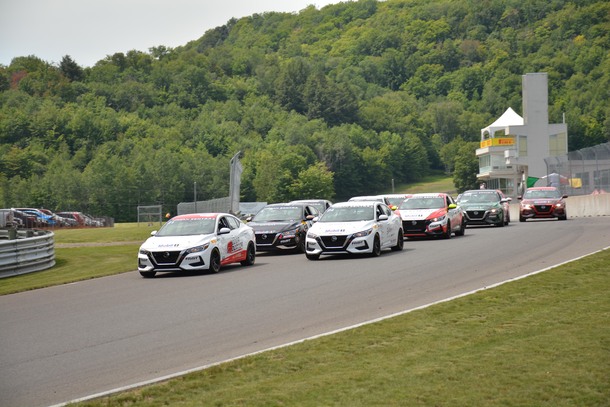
(485, 207)
(542, 202)
(432, 214)
(355, 227)
(320, 204)
(197, 242)
(283, 226)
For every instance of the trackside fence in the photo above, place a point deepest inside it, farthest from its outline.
(25, 251)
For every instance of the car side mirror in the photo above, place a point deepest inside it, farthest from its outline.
(383, 217)
(154, 232)
(224, 231)
(452, 206)
(248, 219)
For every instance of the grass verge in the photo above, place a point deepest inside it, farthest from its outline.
(540, 341)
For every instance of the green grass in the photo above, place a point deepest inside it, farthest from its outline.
(86, 262)
(540, 341)
(432, 183)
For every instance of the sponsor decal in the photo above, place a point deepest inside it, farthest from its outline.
(169, 245)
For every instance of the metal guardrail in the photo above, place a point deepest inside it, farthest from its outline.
(25, 251)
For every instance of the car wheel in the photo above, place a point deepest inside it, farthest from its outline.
(300, 244)
(312, 256)
(506, 218)
(447, 234)
(250, 256)
(376, 247)
(147, 274)
(564, 217)
(400, 242)
(501, 223)
(521, 218)
(215, 261)
(462, 228)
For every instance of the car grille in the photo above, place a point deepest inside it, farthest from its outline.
(414, 226)
(475, 215)
(166, 257)
(544, 209)
(265, 238)
(334, 241)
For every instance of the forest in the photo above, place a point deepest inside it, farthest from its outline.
(324, 103)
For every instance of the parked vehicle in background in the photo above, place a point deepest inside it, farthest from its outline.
(355, 227)
(542, 202)
(485, 207)
(8, 219)
(282, 226)
(433, 214)
(197, 242)
(42, 219)
(77, 216)
(27, 220)
(320, 204)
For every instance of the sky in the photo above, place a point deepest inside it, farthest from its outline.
(90, 30)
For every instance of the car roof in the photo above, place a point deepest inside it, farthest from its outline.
(211, 215)
(542, 188)
(429, 195)
(355, 203)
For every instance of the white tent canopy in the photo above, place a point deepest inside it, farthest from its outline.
(508, 118)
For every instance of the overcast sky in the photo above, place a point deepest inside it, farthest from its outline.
(89, 30)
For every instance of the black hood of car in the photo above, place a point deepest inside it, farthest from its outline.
(273, 227)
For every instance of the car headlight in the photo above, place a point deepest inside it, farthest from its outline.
(289, 234)
(494, 210)
(312, 235)
(198, 249)
(144, 251)
(364, 233)
(526, 206)
(559, 205)
(438, 218)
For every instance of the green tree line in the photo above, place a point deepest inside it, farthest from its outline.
(325, 103)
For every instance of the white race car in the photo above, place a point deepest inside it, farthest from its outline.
(197, 242)
(355, 227)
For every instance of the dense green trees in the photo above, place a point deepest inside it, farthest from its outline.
(325, 103)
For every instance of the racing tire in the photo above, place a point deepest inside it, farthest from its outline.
(506, 219)
(312, 256)
(147, 274)
(462, 229)
(250, 256)
(521, 218)
(501, 223)
(300, 244)
(400, 242)
(376, 247)
(447, 234)
(564, 217)
(214, 261)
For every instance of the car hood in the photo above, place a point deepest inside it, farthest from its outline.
(481, 206)
(341, 228)
(156, 243)
(273, 227)
(421, 214)
(541, 201)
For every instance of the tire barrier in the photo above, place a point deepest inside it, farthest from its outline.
(25, 251)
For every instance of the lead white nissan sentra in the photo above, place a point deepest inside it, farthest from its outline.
(197, 242)
(355, 227)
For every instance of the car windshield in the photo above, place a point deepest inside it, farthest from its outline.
(478, 197)
(186, 227)
(278, 214)
(541, 193)
(423, 203)
(348, 214)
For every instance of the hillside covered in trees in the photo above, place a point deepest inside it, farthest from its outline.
(324, 103)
